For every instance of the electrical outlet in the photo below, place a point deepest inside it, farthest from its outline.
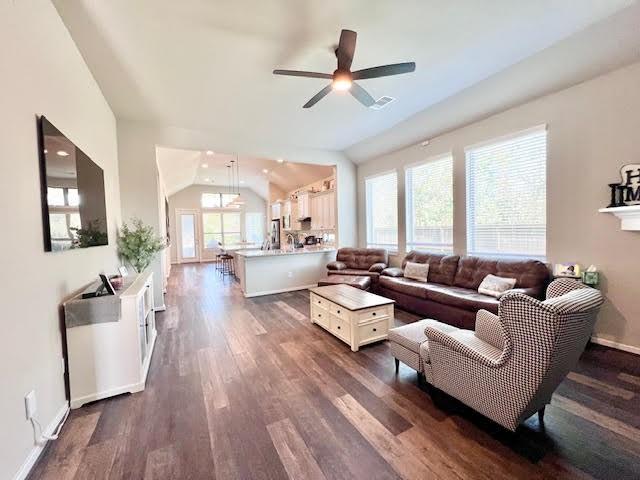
(30, 404)
(290, 274)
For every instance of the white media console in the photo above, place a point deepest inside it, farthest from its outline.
(107, 358)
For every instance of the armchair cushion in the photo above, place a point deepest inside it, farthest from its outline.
(393, 272)
(489, 329)
(336, 265)
(466, 343)
(377, 267)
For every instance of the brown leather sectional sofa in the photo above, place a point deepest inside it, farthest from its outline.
(451, 293)
(369, 262)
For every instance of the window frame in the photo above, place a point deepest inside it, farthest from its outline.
(470, 207)
(408, 208)
(391, 248)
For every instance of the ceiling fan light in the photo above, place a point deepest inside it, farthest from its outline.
(341, 84)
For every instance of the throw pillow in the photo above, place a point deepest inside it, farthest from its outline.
(416, 271)
(496, 286)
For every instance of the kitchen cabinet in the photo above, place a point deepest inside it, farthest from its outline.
(304, 205)
(275, 210)
(323, 212)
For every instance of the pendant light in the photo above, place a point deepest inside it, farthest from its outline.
(239, 200)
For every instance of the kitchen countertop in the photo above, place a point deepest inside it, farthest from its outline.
(281, 252)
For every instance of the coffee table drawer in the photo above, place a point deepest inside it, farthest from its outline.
(373, 331)
(339, 311)
(318, 301)
(340, 328)
(372, 314)
(321, 317)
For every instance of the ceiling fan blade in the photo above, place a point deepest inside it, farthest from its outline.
(300, 73)
(361, 95)
(384, 70)
(346, 49)
(318, 96)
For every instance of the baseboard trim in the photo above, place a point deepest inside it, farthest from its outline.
(36, 451)
(131, 388)
(616, 345)
(281, 290)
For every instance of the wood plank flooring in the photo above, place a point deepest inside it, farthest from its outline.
(250, 389)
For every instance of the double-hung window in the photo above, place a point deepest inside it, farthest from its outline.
(506, 196)
(222, 227)
(429, 205)
(254, 227)
(381, 194)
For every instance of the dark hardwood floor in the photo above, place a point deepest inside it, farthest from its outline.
(249, 389)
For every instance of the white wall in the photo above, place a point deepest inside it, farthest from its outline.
(190, 198)
(43, 73)
(592, 131)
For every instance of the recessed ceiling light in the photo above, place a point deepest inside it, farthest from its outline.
(209, 152)
(242, 181)
(205, 165)
(280, 160)
(62, 153)
(207, 179)
(264, 170)
(424, 143)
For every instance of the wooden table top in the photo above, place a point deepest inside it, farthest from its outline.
(350, 297)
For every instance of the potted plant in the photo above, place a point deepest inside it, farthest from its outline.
(138, 244)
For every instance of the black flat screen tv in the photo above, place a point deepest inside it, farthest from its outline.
(74, 213)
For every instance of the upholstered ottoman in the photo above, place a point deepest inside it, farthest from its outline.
(409, 345)
(357, 281)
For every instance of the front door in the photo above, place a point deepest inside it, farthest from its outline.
(188, 244)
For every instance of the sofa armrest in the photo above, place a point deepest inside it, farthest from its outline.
(534, 292)
(489, 329)
(393, 272)
(336, 265)
(468, 346)
(377, 267)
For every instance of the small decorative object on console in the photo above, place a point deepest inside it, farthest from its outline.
(116, 281)
(591, 276)
(571, 270)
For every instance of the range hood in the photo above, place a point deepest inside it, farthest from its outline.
(304, 219)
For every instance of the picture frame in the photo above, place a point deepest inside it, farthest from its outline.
(568, 270)
(123, 271)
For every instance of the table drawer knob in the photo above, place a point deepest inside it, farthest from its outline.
(338, 311)
(338, 327)
(375, 329)
(374, 314)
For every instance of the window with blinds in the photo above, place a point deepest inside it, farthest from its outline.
(429, 205)
(254, 227)
(381, 194)
(507, 196)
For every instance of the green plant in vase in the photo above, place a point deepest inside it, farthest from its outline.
(138, 244)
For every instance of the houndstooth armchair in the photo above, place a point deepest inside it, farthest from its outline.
(509, 367)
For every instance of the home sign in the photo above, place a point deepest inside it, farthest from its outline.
(627, 192)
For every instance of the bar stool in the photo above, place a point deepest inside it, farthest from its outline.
(227, 264)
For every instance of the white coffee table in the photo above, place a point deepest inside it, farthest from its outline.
(354, 316)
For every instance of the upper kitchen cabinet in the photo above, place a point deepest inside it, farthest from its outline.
(323, 213)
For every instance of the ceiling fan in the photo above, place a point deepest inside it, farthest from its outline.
(343, 78)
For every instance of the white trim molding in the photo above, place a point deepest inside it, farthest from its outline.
(619, 346)
(37, 449)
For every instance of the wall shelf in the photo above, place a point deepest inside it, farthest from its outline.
(629, 216)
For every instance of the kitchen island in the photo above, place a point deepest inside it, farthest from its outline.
(265, 272)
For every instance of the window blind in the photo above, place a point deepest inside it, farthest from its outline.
(381, 194)
(506, 196)
(429, 200)
(254, 227)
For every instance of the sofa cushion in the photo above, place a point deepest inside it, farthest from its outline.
(496, 286)
(362, 258)
(393, 272)
(353, 271)
(416, 271)
(442, 268)
(461, 297)
(335, 265)
(405, 285)
(528, 273)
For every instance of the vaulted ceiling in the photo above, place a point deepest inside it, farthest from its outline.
(206, 65)
(181, 168)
